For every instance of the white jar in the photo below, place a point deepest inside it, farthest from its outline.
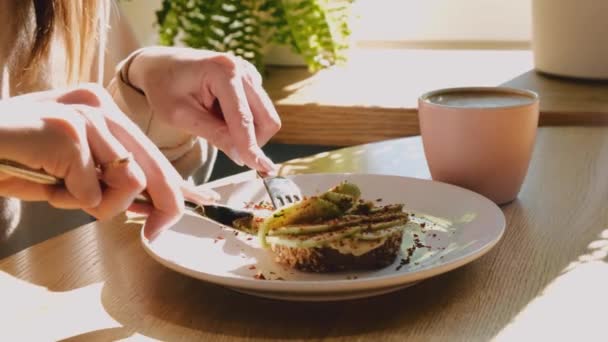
(570, 37)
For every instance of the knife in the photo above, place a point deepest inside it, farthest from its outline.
(222, 214)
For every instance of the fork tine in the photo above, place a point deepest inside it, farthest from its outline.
(282, 191)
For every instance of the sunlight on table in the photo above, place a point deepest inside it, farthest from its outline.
(572, 307)
(398, 159)
(387, 78)
(38, 314)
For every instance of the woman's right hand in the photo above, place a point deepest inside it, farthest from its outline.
(68, 133)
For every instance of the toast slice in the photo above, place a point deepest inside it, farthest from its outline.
(334, 258)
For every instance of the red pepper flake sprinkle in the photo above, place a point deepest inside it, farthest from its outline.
(423, 224)
(249, 238)
(252, 267)
(262, 205)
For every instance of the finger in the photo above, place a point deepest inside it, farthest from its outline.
(239, 119)
(156, 223)
(250, 71)
(23, 189)
(58, 145)
(124, 181)
(162, 179)
(267, 121)
(119, 193)
(57, 196)
(199, 195)
(163, 185)
(141, 208)
(78, 171)
(196, 120)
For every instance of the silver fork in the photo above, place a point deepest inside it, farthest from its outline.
(282, 191)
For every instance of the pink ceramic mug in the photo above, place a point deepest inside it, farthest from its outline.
(480, 138)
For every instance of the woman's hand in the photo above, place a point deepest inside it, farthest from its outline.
(212, 95)
(69, 133)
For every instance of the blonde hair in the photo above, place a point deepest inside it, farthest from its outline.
(81, 24)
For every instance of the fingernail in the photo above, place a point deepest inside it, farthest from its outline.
(156, 223)
(214, 195)
(268, 165)
(208, 194)
(236, 157)
(149, 237)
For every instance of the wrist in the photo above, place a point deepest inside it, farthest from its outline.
(140, 66)
(131, 71)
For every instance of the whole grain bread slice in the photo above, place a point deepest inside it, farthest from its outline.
(327, 259)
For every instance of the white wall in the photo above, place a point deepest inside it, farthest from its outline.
(481, 20)
(472, 20)
(141, 14)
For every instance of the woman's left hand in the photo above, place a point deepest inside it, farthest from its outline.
(213, 95)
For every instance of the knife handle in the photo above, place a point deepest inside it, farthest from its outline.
(217, 212)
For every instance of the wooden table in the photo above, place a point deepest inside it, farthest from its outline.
(374, 96)
(546, 279)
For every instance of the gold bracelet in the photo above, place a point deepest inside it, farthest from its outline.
(123, 72)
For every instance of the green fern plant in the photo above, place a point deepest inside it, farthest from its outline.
(317, 30)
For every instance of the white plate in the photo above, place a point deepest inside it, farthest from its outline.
(460, 227)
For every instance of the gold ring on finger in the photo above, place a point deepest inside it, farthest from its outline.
(118, 162)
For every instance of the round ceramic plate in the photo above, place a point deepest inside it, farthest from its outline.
(453, 227)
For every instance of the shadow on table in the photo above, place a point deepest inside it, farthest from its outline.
(212, 309)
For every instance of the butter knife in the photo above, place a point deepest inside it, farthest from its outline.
(222, 214)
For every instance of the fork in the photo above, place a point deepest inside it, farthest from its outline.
(282, 191)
